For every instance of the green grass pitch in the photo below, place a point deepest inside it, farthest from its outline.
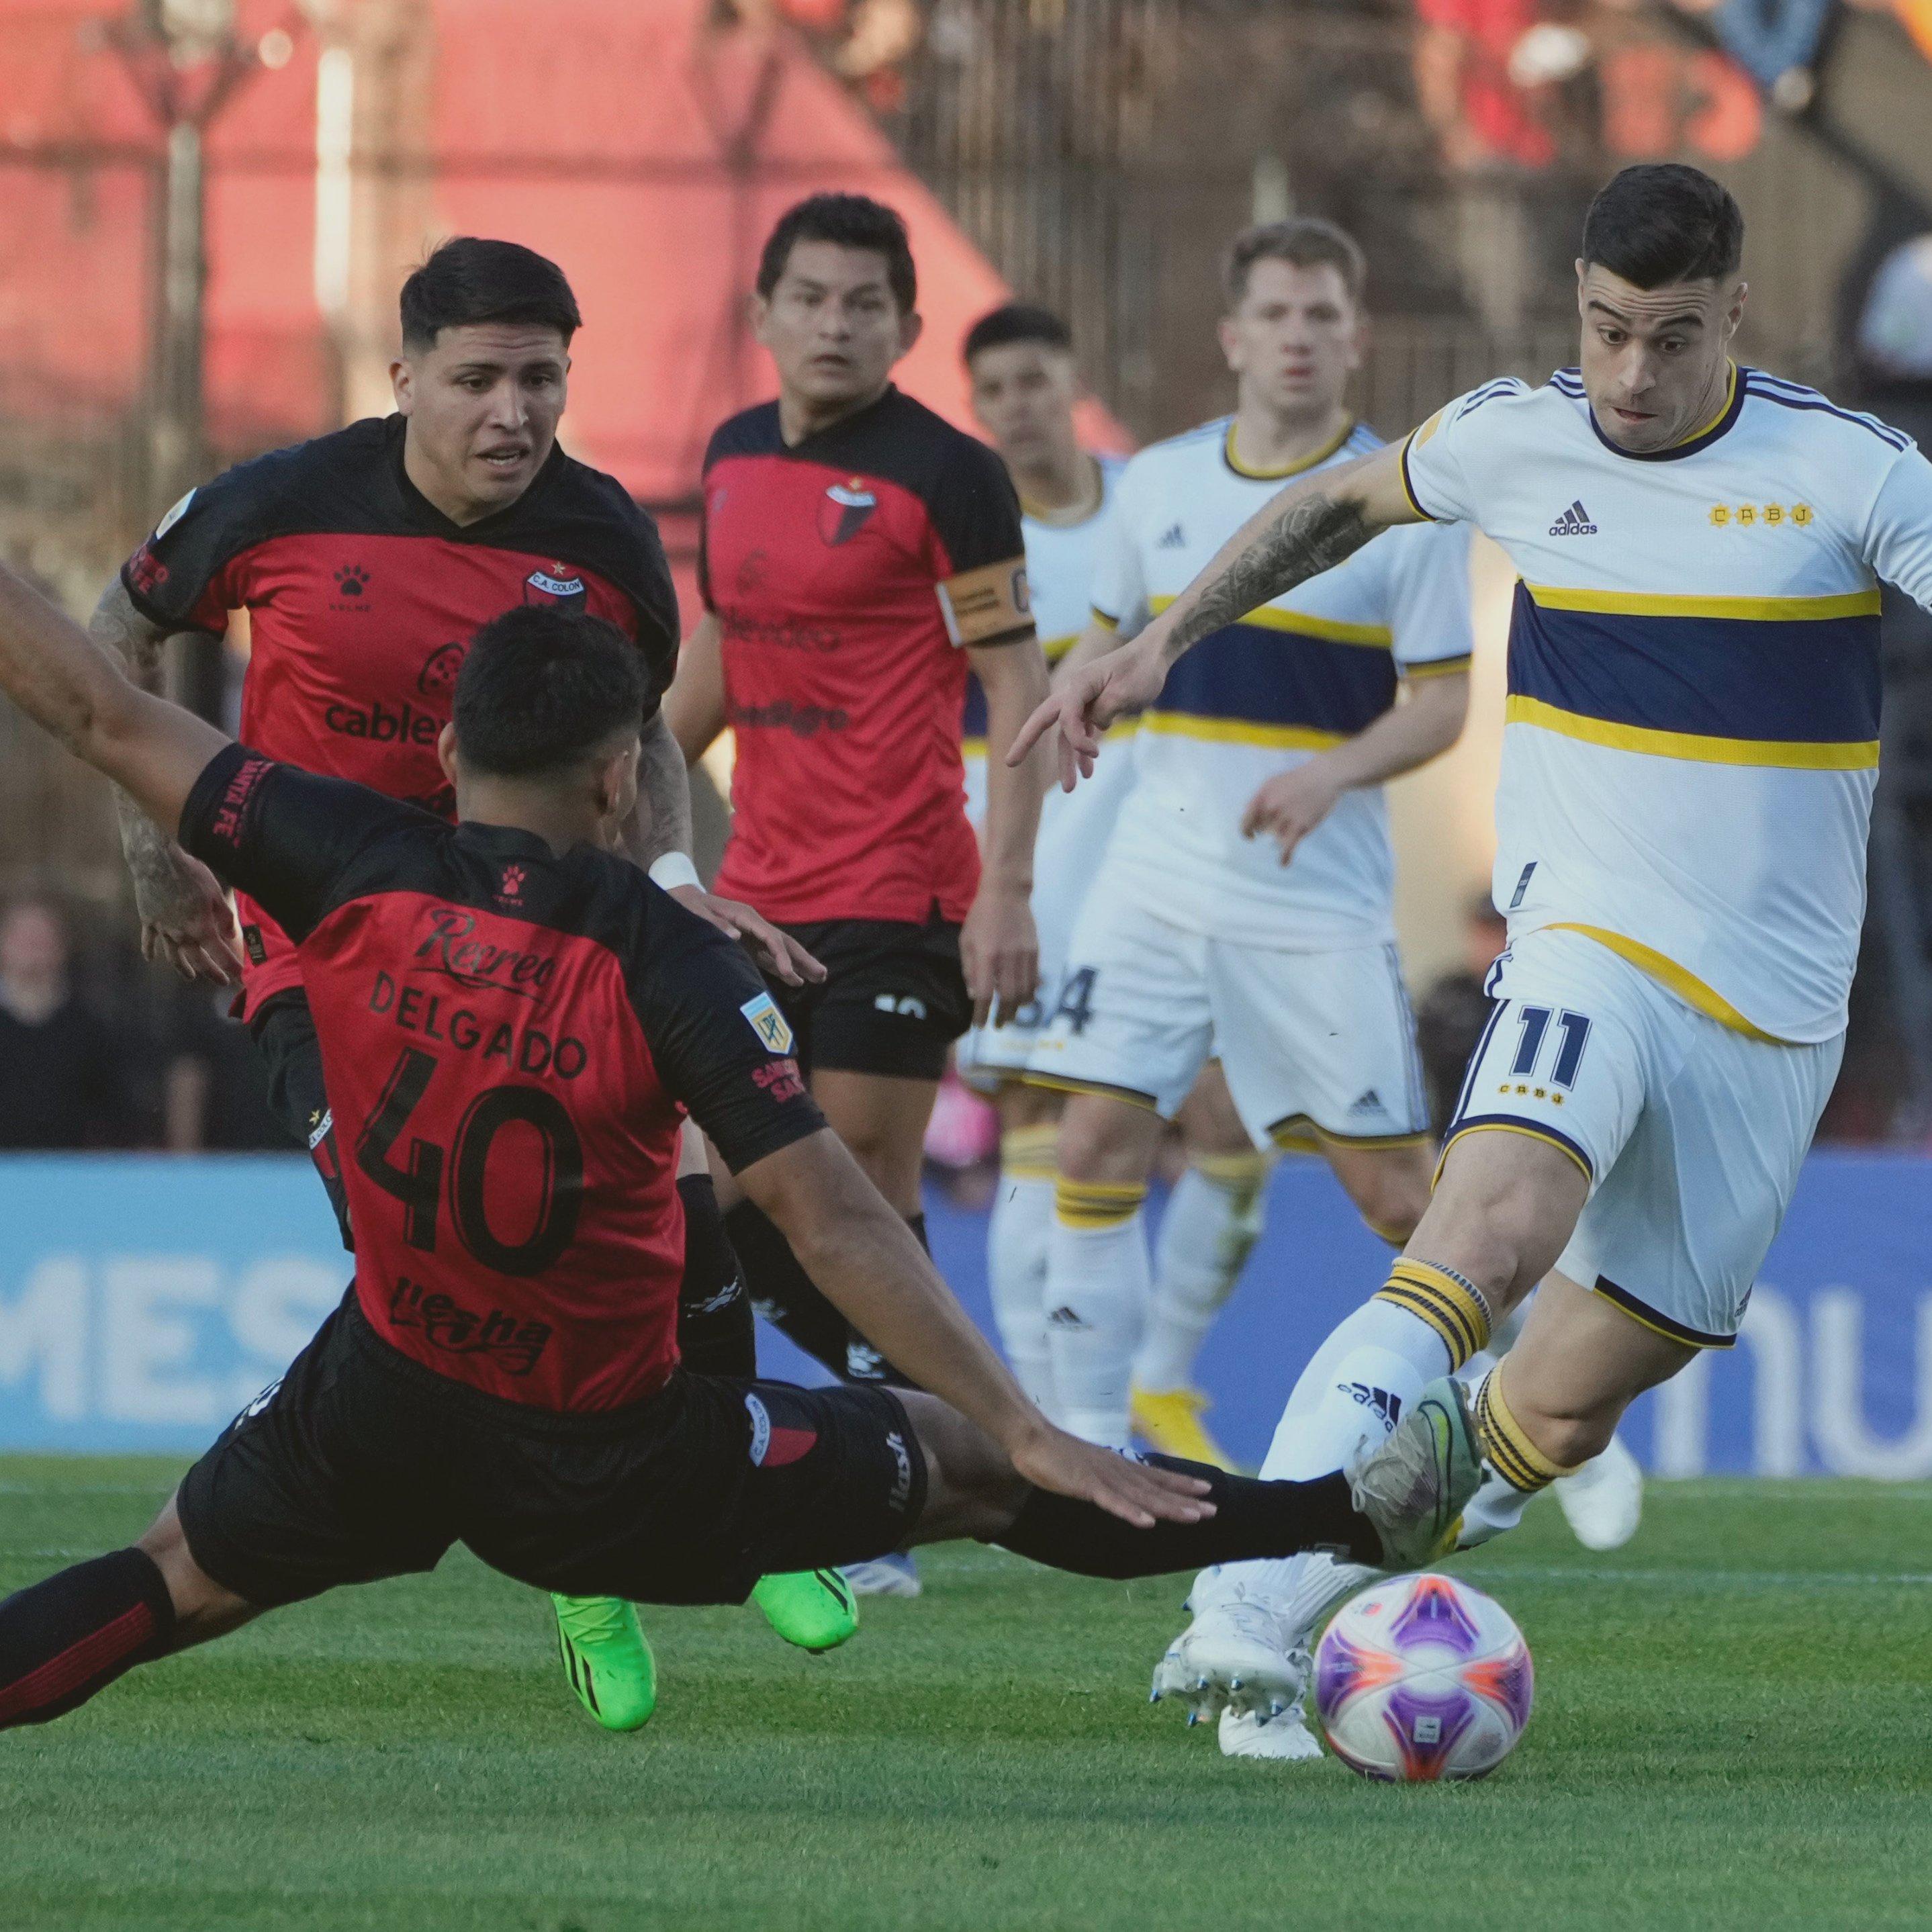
(1734, 1728)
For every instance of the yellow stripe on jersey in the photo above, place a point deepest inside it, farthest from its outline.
(1783, 754)
(1295, 468)
(1240, 731)
(973, 748)
(1750, 610)
(1436, 668)
(1105, 622)
(1666, 971)
(1301, 624)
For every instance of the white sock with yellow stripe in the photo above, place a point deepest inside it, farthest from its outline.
(1097, 1286)
(1363, 1379)
(1506, 1445)
(1016, 1241)
(1213, 1221)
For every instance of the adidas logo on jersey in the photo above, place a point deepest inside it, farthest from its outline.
(1574, 522)
(1369, 1102)
(1385, 1404)
(1063, 1317)
(1173, 538)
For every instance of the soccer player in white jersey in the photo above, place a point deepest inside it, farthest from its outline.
(1243, 906)
(1688, 762)
(1019, 360)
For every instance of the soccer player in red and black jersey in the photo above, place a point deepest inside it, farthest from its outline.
(366, 559)
(512, 1019)
(858, 553)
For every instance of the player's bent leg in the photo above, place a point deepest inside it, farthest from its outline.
(71, 1635)
(1098, 1273)
(1554, 1400)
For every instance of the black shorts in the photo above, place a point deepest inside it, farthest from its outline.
(360, 1463)
(283, 1031)
(892, 1000)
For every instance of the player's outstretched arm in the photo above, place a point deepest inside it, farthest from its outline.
(874, 1271)
(63, 680)
(186, 919)
(1310, 527)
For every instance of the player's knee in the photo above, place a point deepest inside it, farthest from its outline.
(1104, 1140)
(202, 1605)
(972, 1489)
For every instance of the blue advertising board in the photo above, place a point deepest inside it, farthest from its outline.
(144, 1300)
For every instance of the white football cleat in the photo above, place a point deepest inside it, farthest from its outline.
(1232, 1657)
(1604, 1501)
(1286, 1739)
(894, 1575)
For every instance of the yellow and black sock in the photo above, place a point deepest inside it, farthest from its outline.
(1027, 1153)
(1093, 1206)
(1506, 1448)
(1451, 1304)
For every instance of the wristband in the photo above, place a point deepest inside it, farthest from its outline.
(671, 870)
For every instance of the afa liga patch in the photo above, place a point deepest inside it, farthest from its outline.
(768, 1023)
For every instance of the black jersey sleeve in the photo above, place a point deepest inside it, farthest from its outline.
(981, 549)
(718, 1041)
(185, 575)
(284, 836)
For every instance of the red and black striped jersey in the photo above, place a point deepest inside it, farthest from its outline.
(362, 597)
(846, 571)
(510, 1038)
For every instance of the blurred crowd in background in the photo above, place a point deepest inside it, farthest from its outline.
(1095, 153)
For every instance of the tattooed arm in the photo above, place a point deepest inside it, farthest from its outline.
(1311, 527)
(187, 921)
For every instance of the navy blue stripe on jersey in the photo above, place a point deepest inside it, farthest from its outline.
(1244, 674)
(1791, 396)
(1507, 385)
(1774, 681)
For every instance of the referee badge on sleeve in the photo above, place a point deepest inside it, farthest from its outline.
(768, 1023)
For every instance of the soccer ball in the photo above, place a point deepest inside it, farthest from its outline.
(1419, 1678)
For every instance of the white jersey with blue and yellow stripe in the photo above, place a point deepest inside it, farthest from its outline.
(1692, 740)
(1301, 674)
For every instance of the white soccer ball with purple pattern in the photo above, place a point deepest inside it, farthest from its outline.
(1419, 1678)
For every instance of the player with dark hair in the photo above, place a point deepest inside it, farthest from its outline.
(857, 553)
(366, 559)
(512, 1021)
(1691, 750)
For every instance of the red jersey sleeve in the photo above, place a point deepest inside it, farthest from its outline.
(979, 550)
(184, 576)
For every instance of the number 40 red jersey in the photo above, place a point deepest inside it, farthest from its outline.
(509, 1038)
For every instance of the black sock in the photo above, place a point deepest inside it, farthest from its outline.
(1252, 1518)
(64, 1639)
(788, 1298)
(716, 1333)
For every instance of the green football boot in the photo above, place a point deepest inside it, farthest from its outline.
(813, 1608)
(607, 1659)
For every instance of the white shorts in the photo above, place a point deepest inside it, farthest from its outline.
(1691, 1133)
(1317, 1047)
(1074, 829)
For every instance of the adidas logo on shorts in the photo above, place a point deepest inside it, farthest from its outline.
(1574, 522)
(1172, 537)
(1368, 1102)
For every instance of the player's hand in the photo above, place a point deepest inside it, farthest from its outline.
(1136, 1492)
(1079, 711)
(778, 953)
(999, 951)
(1292, 805)
(188, 920)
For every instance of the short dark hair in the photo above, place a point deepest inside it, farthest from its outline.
(1662, 222)
(541, 688)
(1307, 241)
(852, 221)
(468, 279)
(1016, 322)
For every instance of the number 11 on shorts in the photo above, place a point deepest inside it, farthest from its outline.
(1572, 1033)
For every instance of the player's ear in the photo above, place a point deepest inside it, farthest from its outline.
(1230, 341)
(402, 384)
(911, 328)
(1735, 314)
(759, 311)
(1582, 269)
(445, 751)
